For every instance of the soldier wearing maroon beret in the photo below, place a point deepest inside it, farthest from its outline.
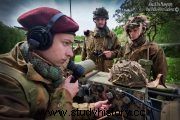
(31, 82)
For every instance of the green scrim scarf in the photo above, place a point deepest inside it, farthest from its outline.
(102, 32)
(41, 66)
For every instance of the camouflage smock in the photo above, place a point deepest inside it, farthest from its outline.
(13, 101)
(93, 42)
(139, 51)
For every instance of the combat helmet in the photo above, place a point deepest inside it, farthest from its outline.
(128, 73)
(137, 21)
(100, 12)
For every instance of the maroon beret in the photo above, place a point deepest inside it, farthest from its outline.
(41, 17)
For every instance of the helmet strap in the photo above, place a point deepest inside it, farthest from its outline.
(139, 41)
(141, 32)
(140, 29)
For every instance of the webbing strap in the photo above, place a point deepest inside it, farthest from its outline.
(28, 86)
(143, 48)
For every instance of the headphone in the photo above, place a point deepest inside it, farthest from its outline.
(40, 37)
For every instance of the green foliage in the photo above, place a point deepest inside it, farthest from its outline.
(121, 34)
(135, 7)
(9, 37)
(77, 58)
(171, 50)
(80, 38)
(173, 70)
(161, 21)
(168, 33)
(118, 30)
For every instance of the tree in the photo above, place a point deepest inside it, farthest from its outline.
(9, 37)
(160, 12)
(122, 37)
(80, 38)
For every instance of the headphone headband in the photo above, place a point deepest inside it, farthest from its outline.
(40, 37)
(53, 20)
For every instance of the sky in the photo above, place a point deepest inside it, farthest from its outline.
(81, 10)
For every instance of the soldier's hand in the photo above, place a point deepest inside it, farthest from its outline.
(73, 88)
(101, 106)
(108, 54)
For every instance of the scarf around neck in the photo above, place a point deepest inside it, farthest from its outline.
(43, 67)
(103, 32)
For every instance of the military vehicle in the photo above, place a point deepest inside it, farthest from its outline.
(128, 103)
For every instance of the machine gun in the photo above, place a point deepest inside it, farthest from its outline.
(131, 103)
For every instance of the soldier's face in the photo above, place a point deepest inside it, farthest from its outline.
(134, 33)
(100, 22)
(61, 49)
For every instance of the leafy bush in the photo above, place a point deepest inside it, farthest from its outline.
(9, 37)
(173, 70)
(172, 51)
(77, 58)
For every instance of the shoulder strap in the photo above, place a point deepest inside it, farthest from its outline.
(147, 46)
(110, 40)
(28, 86)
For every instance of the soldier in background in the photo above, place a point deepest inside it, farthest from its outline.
(140, 48)
(100, 45)
(77, 50)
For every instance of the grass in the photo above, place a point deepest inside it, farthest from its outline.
(173, 69)
(77, 58)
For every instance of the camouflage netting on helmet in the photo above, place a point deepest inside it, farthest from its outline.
(136, 21)
(128, 73)
(100, 12)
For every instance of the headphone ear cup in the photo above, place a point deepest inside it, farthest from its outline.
(39, 38)
(48, 40)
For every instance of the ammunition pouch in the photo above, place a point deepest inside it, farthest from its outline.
(146, 64)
